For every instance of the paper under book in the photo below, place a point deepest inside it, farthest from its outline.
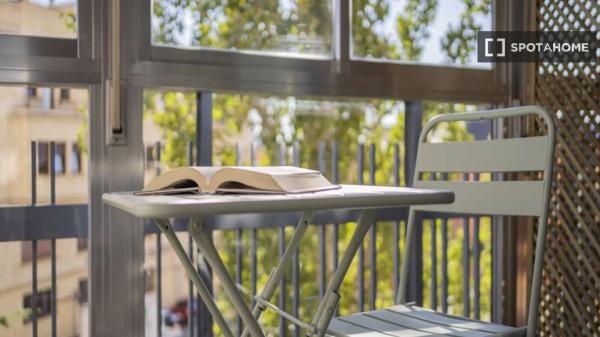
(238, 179)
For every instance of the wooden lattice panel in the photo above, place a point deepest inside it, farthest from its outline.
(570, 299)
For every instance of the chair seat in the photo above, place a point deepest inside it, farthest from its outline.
(412, 321)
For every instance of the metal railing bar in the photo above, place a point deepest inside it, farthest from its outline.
(239, 236)
(34, 328)
(296, 258)
(158, 285)
(335, 175)
(373, 237)
(158, 259)
(433, 289)
(53, 172)
(361, 252)
(253, 256)
(396, 228)
(190, 306)
(476, 270)
(26, 223)
(34, 289)
(53, 286)
(322, 233)
(53, 306)
(433, 250)
(191, 316)
(33, 173)
(282, 283)
(282, 245)
(466, 267)
(444, 229)
(476, 266)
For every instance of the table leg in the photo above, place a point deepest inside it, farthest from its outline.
(278, 272)
(205, 295)
(208, 250)
(328, 305)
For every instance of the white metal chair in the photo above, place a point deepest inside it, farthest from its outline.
(519, 198)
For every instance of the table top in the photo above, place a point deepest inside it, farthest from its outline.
(347, 197)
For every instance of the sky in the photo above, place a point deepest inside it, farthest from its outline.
(447, 13)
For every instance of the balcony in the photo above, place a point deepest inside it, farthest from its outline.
(347, 97)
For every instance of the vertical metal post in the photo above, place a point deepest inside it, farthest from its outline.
(413, 126)
(34, 330)
(239, 237)
(204, 121)
(34, 289)
(53, 241)
(116, 239)
(204, 148)
(361, 252)
(466, 267)
(396, 231)
(253, 237)
(335, 176)
(34, 156)
(159, 322)
(433, 285)
(282, 282)
(296, 259)
(190, 306)
(322, 238)
(373, 237)
(444, 229)
(476, 261)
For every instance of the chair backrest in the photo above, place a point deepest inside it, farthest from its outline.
(519, 198)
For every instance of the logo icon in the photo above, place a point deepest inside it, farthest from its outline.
(494, 42)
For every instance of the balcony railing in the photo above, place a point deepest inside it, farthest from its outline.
(434, 270)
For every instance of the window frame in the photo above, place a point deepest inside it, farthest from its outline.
(342, 75)
(50, 60)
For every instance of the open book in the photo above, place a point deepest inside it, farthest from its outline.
(238, 179)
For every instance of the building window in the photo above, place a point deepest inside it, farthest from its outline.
(60, 158)
(31, 92)
(43, 305)
(82, 291)
(75, 159)
(43, 250)
(82, 244)
(65, 94)
(44, 158)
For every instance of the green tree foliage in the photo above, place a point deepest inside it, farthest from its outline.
(461, 39)
(413, 27)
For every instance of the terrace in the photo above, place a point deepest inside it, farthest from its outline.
(344, 87)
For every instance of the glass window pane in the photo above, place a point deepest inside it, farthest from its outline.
(49, 18)
(435, 32)
(284, 26)
(39, 114)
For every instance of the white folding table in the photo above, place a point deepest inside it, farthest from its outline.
(195, 207)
